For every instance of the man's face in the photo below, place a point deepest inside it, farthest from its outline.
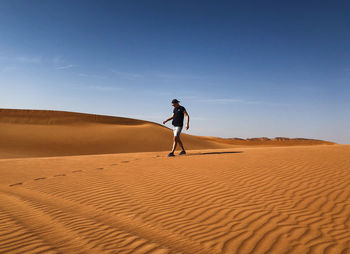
(175, 105)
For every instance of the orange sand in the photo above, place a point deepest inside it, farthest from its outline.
(260, 200)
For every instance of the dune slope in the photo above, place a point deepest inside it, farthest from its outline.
(251, 200)
(40, 133)
(30, 133)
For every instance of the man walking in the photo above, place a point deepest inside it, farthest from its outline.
(178, 122)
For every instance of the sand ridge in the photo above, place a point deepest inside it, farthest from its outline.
(42, 133)
(264, 141)
(244, 200)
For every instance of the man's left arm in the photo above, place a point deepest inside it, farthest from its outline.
(188, 120)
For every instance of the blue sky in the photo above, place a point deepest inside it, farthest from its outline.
(241, 68)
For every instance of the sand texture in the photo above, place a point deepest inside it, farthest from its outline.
(247, 200)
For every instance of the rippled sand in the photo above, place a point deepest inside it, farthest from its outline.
(238, 200)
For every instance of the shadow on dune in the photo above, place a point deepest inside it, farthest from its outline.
(208, 153)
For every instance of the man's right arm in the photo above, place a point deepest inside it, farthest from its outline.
(172, 116)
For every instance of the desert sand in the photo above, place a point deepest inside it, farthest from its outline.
(33, 133)
(40, 133)
(220, 198)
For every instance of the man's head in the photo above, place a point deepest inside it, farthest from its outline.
(175, 103)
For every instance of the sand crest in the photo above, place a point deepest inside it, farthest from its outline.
(40, 133)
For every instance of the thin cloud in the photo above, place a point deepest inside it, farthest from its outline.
(226, 101)
(61, 64)
(176, 76)
(276, 104)
(219, 100)
(58, 60)
(190, 97)
(68, 66)
(22, 59)
(104, 88)
(127, 75)
(84, 75)
(155, 75)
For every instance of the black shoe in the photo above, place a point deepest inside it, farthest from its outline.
(171, 155)
(183, 152)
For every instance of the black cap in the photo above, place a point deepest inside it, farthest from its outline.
(175, 101)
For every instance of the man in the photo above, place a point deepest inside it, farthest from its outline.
(178, 122)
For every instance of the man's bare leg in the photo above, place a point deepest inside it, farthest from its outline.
(174, 145)
(180, 143)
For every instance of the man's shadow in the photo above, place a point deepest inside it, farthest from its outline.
(209, 153)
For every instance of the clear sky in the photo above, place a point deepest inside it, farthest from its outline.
(241, 68)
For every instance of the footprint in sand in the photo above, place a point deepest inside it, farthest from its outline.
(99, 168)
(77, 171)
(59, 175)
(39, 178)
(15, 184)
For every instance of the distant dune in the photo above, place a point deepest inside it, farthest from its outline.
(40, 133)
(278, 141)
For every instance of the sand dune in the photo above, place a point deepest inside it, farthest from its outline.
(40, 133)
(247, 200)
(30, 133)
(278, 141)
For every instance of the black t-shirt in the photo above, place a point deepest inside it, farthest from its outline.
(178, 119)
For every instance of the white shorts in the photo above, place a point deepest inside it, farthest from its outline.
(177, 131)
